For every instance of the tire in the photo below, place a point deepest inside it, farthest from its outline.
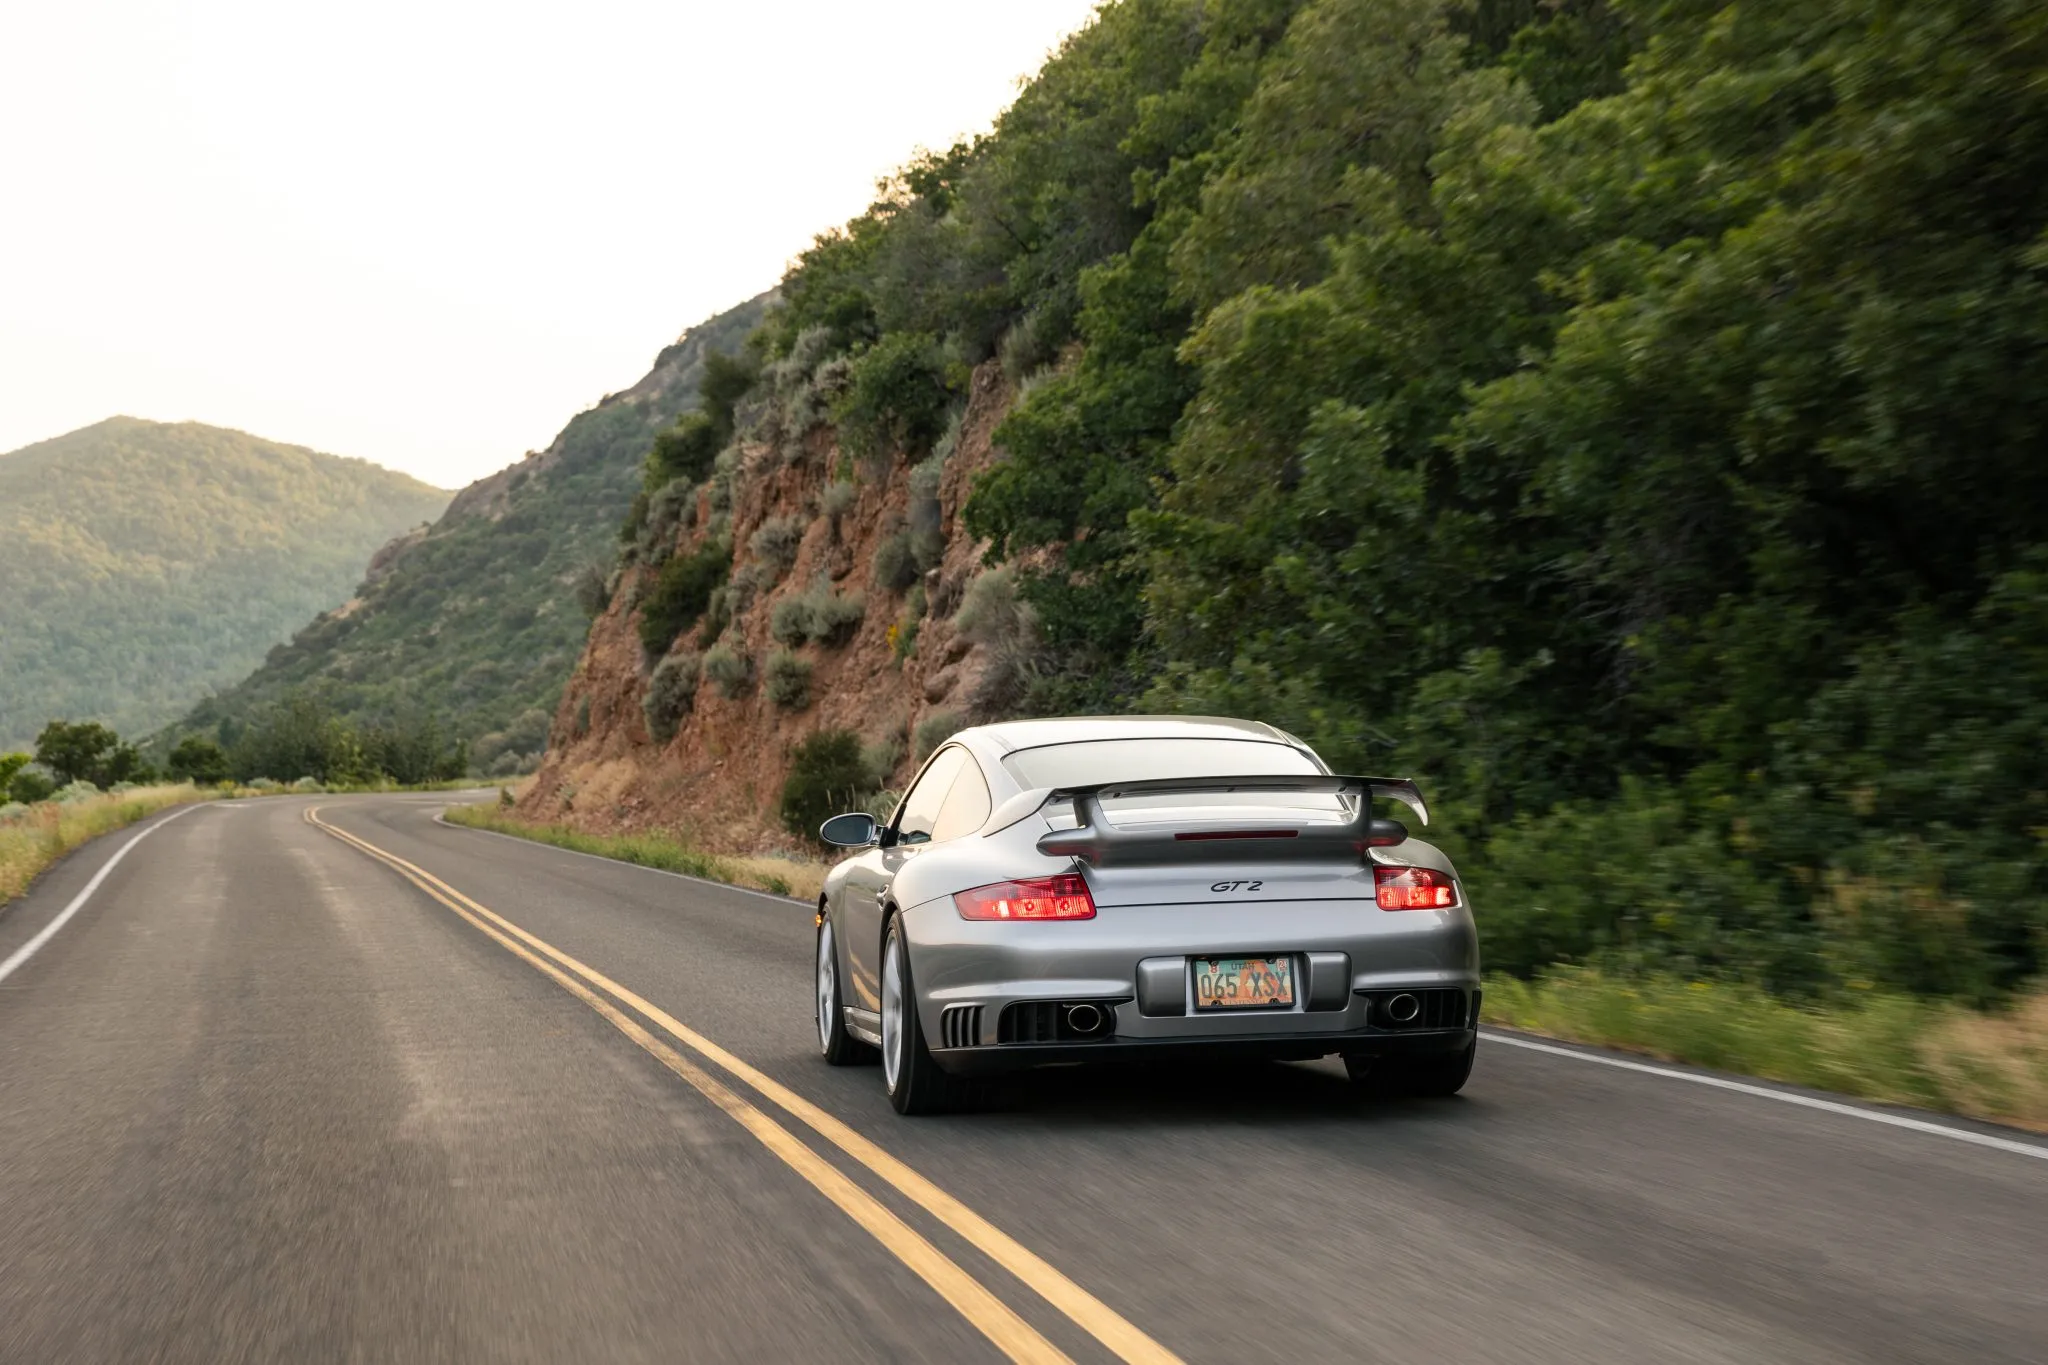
(1420, 1077)
(839, 1047)
(915, 1081)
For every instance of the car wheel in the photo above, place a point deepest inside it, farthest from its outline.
(916, 1083)
(1400, 1077)
(840, 1047)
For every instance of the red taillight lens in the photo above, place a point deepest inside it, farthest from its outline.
(1062, 897)
(1414, 888)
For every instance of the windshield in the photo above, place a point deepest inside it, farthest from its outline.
(1091, 762)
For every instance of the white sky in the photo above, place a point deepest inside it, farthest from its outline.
(428, 232)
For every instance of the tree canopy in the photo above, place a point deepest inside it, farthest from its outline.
(1619, 413)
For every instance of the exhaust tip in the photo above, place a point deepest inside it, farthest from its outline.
(1085, 1018)
(1403, 1008)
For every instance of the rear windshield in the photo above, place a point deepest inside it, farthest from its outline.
(1094, 761)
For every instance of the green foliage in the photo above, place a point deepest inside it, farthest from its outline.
(729, 670)
(681, 591)
(688, 449)
(786, 678)
(304, 735)
(1618, 416)
(935, 729)
(671, 690)
(88, 752)
(897, 396)
(199, 760)
(895, 563)
(827, 776)
(146, 563)
(30, 785)
(684, 451)
(775, 543)
(10, 764)
(817, 615)
(480, 621)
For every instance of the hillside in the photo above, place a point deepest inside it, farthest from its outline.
(476, 621)
(143, 563)
(1618, 416)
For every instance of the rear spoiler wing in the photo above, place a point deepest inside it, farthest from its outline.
(1095, 840)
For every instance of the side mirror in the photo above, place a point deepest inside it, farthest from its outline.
(854, 830)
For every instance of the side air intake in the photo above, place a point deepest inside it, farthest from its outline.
(960, 1026)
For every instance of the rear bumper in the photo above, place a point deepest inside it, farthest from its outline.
(1275, 1047)
(1132, 961)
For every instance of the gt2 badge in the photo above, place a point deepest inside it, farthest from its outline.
(1237, 886)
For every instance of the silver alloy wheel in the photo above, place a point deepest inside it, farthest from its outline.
(828, 985)
(892, 1013)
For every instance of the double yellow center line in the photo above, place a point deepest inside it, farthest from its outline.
(1009, 1332)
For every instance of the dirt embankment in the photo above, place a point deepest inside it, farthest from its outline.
(717, 782)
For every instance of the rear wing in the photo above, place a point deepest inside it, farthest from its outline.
(1095, 840)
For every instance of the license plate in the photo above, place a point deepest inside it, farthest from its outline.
(1238, 983)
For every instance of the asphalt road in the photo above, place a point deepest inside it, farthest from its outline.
(266, 1096)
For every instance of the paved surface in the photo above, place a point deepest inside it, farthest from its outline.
(265, 1098)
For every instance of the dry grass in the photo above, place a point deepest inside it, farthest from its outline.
(33, 840)
(783, 876)
(1887, 1048)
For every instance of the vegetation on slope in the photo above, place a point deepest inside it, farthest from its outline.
(143, 563)
(1615, 414)
(476, 626)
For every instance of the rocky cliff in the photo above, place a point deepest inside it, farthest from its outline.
(816, 536)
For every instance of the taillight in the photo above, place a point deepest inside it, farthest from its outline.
(1414, 888)
(1062, 897)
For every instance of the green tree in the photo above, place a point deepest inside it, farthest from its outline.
(76, 752)
(827, 776)
(198, 759)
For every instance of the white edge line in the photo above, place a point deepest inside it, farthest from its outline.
(1782, 1096)
(621, 862)
(49, 931)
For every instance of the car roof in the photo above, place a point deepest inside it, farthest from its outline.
(1010, 736)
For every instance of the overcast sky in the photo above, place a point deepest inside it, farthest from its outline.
(427, 233)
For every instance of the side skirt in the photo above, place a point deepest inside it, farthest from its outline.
(865, 1025)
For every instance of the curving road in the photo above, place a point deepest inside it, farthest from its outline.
(389, 1090)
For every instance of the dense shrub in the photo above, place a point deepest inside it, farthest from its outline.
(30, 785)
(897, 395)
(895, 564)
(670, 691)
(681, 591)
(669, 511)
(827, 776)
(198, 759)
(775, 543)
(838, 499)
(786, 678)
(593, 589)
(729, 670)
(817, 615)
(935, 729)
(684, 452)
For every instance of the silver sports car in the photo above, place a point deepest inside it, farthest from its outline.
(1136, 887)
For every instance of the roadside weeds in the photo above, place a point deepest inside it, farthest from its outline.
(779, 876)
(1892, 1049)
(45, 832)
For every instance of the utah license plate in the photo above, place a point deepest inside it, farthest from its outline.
(1232, 983)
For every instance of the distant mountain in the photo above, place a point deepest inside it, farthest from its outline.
(476, 620)
(143, 563)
